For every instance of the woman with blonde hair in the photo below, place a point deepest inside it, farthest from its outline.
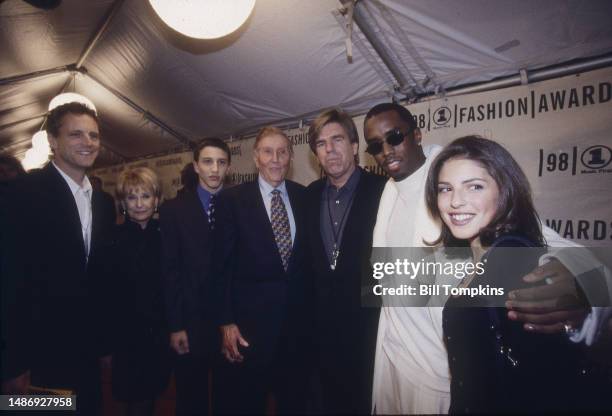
(141, 366)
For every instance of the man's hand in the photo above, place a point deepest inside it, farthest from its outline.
(179, 342)
(230, 337)
(550, 308)
(17, 385)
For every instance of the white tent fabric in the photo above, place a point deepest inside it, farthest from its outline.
(157, 91)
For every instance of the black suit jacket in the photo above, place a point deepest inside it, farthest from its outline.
(253, 289)
(59, 327)
(186, 249)
(345, 332)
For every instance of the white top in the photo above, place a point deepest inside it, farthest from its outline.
(411, 337)
(82, 198)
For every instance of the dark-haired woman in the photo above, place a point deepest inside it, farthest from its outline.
(141, 356)
(484, 201)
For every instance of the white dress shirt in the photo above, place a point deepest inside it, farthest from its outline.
(82, 198)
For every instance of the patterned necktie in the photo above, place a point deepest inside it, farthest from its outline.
(211, 212)
(280, 227)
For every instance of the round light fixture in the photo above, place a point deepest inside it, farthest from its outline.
(71, 97)
(203, 19)
(34, 159)
(40, 142)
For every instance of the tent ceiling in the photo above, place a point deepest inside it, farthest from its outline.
(285, 64)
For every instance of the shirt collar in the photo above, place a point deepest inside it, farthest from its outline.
(350, 184)
(267, 189)
(74, 187)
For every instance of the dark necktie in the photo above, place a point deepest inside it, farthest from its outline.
(280, 227)
(211, 212)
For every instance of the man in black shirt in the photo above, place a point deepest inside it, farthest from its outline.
(341, 215)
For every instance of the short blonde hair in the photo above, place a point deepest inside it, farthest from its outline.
(133, 178)
(271, 131)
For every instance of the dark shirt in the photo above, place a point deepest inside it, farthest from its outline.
(335, 207)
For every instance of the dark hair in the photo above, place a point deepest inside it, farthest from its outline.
(13, 165)
(515, 211)
(97, 180)
(189, 178)
(55, 116)
(399, 109)
(333, 115)
(212, 142)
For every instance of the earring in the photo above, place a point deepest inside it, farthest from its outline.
(155, 208)
(123, 211)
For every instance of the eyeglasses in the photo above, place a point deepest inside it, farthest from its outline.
(394, 137)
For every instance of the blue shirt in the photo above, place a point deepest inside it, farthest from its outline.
(204, 196)
(266, 193)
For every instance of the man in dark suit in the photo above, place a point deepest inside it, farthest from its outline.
(341, 215)
(261, 287)
(186, 226)
(55, 238)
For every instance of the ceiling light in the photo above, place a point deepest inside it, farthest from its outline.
(203, 19)
(40, 142)
(34, 159)
(71, 97)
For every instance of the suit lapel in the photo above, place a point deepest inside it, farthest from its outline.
(59, 191)
(256, 203)
(254, 200)
(296, 210)
(95, 220)
(315, 208)
(196, 211)
(353, 221)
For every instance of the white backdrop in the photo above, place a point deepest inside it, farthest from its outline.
(558, 131)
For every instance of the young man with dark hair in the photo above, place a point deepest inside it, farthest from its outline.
(54, 238)
(341, 211)
(186, 224)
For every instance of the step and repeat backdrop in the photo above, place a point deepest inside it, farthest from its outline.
(560, 131)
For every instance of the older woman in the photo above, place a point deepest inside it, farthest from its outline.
(484, 201)
(141, 354)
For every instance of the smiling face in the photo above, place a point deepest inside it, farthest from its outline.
(272, 157)
(211, 168)
(140, 204)
(467, 198)
(336, 153)
(76, 145)
(398, 161)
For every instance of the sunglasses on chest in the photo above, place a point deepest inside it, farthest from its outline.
(393, 138)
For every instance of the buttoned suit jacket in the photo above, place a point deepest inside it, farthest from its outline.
(60, 325)
(267, 303)
(186, 260)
